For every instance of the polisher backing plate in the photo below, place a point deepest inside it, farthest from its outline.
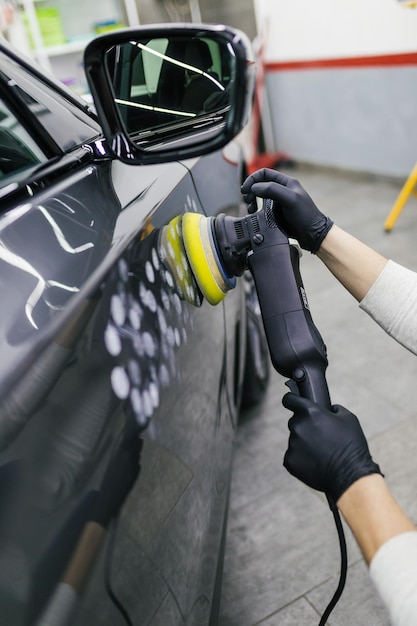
(203, 258)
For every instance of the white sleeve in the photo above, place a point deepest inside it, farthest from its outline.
(393, 571)
(392, 303)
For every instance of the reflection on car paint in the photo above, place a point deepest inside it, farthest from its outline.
(148, 320)
(100, 334)
(21, 401)
(19, 262)
(72, 241)
(60, 236)
(42, 285)
(149, 317)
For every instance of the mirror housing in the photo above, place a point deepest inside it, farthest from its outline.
(170, 91)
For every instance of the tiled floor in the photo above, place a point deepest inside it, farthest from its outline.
(282, 555)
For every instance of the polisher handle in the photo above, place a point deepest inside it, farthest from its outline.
(296, 347)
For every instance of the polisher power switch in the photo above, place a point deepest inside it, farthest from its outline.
(295, 345)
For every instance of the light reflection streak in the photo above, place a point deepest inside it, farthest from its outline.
(17, 261)
(20, 263)
(8, 189)
(148, 107)
(185, 66)
(60, 237)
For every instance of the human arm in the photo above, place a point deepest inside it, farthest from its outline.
(388, 540)
(328, 451)
(372, 514)
(103, 505)
(352, 262)
(386, 290)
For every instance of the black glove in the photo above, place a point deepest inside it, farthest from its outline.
(327, 449)
(294, 210)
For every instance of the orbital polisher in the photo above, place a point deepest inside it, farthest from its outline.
(220, 248)
(210, 253)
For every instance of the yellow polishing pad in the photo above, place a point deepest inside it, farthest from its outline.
(202, 257)
(172, 253)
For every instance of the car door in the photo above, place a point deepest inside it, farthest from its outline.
(98, 343)
(172, 523)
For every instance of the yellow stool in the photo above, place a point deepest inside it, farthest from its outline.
(407, 190)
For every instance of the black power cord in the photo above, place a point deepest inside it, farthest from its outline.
(343, 562)
(335, 599)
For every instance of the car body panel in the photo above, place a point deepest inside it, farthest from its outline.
(67, 437)
(99, 344)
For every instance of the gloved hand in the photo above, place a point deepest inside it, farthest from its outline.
(294, 210)
(327, 449)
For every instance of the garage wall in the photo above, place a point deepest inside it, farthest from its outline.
(341, 82)
(237, 13)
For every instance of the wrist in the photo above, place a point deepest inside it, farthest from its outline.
(354, 264)
(372, 513)
(330, 244)
(320, 234)
(363, 466)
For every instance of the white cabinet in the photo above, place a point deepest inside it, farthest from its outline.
(57, 31)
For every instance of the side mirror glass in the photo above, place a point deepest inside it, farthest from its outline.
(169, 93)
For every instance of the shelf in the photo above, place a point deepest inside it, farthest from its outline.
(66, 48)
(68, 29)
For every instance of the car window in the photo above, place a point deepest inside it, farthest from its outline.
(18, 151)
(147, 68)
(68, 125)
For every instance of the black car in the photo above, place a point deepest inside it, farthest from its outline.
(120, 385)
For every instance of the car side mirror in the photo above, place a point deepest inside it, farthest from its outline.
(170, 92)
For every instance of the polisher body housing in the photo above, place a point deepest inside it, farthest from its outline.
(296, 347)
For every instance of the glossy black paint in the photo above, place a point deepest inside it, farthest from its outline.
(99, 346)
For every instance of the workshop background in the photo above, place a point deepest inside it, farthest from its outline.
(340, 77)
(336, 103)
